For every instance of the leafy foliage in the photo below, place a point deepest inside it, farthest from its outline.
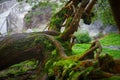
(103, 12)
(82, 38)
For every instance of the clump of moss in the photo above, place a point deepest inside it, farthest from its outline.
(57, 20)
(68, 21)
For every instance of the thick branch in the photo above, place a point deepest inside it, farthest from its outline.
(115, 6)
(20, 47)
(66, 35)
(90, 6)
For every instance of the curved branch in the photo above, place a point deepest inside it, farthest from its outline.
(58, 46)
(90, 52)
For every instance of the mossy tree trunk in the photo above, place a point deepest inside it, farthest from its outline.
(69, 17)
(115, 4)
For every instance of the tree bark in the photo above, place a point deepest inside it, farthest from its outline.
(115, 6)
(20, 47)
(66, 35)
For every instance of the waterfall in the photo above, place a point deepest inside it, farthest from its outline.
(11, 16)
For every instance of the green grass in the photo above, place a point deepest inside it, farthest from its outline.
(111, 39)
(113, 53)
(108, 40)
(80, 48)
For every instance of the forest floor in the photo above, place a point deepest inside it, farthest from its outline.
(26, 70)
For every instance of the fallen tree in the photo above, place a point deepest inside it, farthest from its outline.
(53, 49)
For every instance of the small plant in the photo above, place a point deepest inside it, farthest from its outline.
(82, 38)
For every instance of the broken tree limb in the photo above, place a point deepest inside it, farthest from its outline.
(89, 54)
(90, 6)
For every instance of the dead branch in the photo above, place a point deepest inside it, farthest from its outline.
(89, 54)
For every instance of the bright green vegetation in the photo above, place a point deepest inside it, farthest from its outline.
(57, 20)
(20, 68)
(111, 40)
(114, 53)
(108, 40)
(82, 37)
(80, 48)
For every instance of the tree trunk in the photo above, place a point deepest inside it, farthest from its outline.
(20, 47)
(115, 6)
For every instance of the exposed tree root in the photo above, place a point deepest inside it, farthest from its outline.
(16, 48)
(58, 46)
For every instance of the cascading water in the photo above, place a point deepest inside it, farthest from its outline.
(11, 16)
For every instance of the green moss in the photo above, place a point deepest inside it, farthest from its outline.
(28, 17)
(63, 66)
(20, 68)
(54, 53)
(27, 42)
(62, 12)
(56, 23)
(49, 67)
(80, 48)
(63, 63)
(57, 20)
(68, 21)
(74, 75)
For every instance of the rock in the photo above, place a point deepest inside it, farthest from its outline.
(110, 29)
